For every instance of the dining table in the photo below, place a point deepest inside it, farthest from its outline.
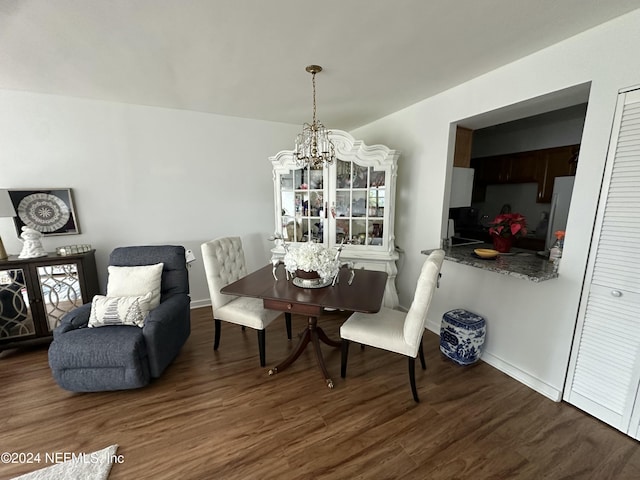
(356, 290)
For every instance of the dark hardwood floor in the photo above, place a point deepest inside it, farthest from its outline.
(218, 415)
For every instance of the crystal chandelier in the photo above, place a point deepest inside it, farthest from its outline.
(313, 146)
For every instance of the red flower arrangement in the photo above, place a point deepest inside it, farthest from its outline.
(509, 224)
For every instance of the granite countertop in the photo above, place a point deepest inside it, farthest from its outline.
(519, 263)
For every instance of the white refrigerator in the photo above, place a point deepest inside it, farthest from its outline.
(461, 187)
(560, 201)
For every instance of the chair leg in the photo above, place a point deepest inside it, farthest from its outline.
(261, 347)
(412, 378)
(287, 319)
(421, 352)
(343, 358)
(217, 324)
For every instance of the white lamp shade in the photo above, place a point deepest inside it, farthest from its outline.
(6, 207)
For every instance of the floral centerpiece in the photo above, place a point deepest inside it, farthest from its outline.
(504, 228)
(314, 259)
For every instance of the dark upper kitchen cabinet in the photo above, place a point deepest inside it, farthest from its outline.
(493, 169)
(539, 166)
(525, 167)
(558, 162)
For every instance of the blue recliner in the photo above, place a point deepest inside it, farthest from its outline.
(118, 357)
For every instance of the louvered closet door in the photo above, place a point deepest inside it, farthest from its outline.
(604, 371)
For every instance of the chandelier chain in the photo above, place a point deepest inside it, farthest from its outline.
(313, 82)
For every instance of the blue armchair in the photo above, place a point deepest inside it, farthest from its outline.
(118, 357)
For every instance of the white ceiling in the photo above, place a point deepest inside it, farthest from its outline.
(247, 58)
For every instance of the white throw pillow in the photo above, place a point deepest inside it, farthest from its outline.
(119, 310)
(136, 281)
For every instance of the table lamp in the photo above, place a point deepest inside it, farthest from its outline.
(6, 210)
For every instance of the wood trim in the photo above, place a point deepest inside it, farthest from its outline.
(462, 151)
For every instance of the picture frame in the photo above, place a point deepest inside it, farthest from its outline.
(50, 211)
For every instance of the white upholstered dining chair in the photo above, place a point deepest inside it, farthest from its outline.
(224, 263)
(394, 330)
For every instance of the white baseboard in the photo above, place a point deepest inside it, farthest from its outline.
(514, 372)
(523, 377)
(200, 303)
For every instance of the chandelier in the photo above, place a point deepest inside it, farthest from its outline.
(313, 146)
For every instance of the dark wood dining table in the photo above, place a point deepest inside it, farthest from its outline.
(363, 294)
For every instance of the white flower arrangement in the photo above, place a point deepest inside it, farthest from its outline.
(313, 257)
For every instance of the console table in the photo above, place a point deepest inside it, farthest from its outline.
(35, 293)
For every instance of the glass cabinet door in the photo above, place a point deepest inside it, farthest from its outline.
(15, 312)
(359, 204)
(303, 205)
(60, 289)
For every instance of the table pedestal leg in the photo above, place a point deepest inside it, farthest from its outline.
(302, 344)
(323, 336)
(315, 335)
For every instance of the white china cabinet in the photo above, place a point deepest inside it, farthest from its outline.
(349, 202)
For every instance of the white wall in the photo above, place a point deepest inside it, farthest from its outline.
(530, 326)
(143, 175)
(554, 129)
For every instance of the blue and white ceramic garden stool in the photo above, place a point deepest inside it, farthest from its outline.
(462, 336)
